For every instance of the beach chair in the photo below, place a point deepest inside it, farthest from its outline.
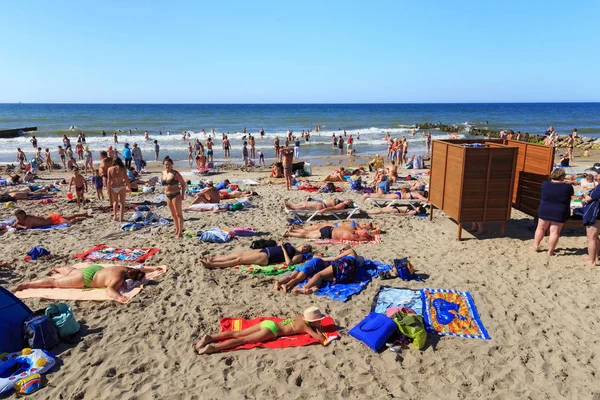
(381, 203)
(310, 214)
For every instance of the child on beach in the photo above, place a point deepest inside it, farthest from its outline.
(63, 156)
(80, 185)
(98, 184)
(72, 163)
(25, 221)
(48, 160)
(156, 149)
(261, 158)
(308, 323)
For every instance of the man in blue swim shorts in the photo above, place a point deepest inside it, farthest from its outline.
(302, 271)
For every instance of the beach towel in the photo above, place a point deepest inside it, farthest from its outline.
(452, 313)
(391, 297)
(136, 226)
(343, 291)
(238, 324)
(129, 290)
(275, 269)
(106, 253)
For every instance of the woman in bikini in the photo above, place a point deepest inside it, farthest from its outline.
(404, 194)
(341, 269)
(89, 162)
(336, 176)
(399, 210)
(118, 186)
(309, 323)
(175, 188)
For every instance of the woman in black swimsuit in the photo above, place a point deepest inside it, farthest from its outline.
(174, 191)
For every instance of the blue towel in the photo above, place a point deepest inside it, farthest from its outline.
(50, 228)
(37, 252)
(343, 291)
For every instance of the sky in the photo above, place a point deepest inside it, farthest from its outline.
(299, 52)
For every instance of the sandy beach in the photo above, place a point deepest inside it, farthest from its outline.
(540, 312)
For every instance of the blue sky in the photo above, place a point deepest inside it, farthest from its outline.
(296, 52)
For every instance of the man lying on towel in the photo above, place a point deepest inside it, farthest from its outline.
(311, 268)
(111, 277)
(283, 253)
(329, 232)
(25, 221)
(321, 205)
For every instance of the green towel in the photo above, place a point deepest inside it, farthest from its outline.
(276, 269)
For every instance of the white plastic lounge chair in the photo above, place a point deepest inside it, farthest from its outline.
(300, 214)
(381, 203)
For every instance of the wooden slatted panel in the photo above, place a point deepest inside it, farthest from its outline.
(534, 165)
(437, 178)
(475, 183)
(453, 182)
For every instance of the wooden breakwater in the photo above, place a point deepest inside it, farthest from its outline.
(12, 133)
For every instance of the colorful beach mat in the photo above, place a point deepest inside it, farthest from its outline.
(238, 324)
(275, 269)
(391, 297)
(452, 313)
(129, 290)
(343, 291)
(107, 253)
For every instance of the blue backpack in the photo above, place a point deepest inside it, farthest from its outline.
(40, 332)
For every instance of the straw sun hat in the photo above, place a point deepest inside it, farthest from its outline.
(313, 314)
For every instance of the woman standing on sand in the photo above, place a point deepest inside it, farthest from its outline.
(174, 191)
(118, 186)
(554, 209)
(592, 223)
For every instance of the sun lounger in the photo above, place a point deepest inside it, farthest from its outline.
(338, 214)
(381, 203)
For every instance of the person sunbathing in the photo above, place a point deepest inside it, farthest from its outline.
(399, 210)
(209, 194)
(404, 194)
(418, 186)
(336, 176)
(341, 269)
(23, 193)
(235, 194)
(308, 323)
(25, 221)
(328, 232)
(284, 252)
(111, 277)
(320, 205)
(350, 225)
(277, 170)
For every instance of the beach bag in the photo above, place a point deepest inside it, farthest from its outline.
(355, 184)
(406, 271)
(262, 243)
(374, 330)
(63, 318)
(40, 332)
(215, 235)
(411, 326)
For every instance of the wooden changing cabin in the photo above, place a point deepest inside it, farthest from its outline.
(472, 180)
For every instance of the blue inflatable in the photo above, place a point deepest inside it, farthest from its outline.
(374, 330)
(12, 314)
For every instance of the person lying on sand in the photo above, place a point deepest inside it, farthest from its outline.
(236, 194)
(309, 323)
(321, 205)
(399, 210)
(23, 193)
(349, 225)
(328, 232)
(284, 252)
(209, 194)
(404, 194)
(25, 221)
(341, 269)
(336, 176)
(108, 276)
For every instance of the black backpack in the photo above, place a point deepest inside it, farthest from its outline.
(40, 332)
(262, 243)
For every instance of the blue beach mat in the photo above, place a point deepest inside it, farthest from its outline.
(343, 291)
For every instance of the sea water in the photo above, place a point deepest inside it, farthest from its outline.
(372, 121)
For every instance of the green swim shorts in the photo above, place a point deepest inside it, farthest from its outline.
(88, 274)
(270, 325)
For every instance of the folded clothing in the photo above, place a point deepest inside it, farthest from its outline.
(238, 324)
(135, 254)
